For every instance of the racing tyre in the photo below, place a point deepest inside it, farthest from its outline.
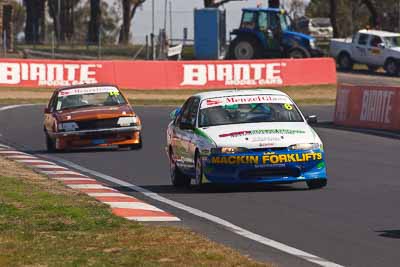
(245, 48)
(178, 179)
(199, 172)
(392, 67)
(298, 52)
(316, 184)
(50, 146)
(345, 62)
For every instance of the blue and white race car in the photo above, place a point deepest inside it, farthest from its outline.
(246, 136)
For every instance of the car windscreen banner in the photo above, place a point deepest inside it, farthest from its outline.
(219, 74)
(373, 107)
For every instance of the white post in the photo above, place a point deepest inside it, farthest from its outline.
(152, 28)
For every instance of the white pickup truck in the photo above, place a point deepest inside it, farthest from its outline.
(371, 47)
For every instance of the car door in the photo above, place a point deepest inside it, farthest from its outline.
(359, 51)
(182, 137)
(375, 54)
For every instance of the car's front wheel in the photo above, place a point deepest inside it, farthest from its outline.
(199, 172)
(317, 183)
(178, 179)
(50, 145)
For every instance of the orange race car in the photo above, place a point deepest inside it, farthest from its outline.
(89, 116)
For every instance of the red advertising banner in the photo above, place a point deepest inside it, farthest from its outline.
(368, 107)
(168, 74)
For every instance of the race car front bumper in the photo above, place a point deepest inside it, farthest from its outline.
(98, 137)
(281, 166)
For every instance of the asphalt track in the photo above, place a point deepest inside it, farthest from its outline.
(355, 221)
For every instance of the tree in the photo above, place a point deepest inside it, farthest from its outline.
(374, 19)
(34, 24)
(296, 8)
(63, 18)
(333, 16)
(94, 22)
(216, 3)
(129, 8)
(274, 3)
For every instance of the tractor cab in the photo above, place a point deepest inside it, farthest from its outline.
(268, 32)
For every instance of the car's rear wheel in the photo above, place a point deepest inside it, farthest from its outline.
(317, 183)
(178, 179)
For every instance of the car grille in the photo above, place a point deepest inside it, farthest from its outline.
(269, 172)
(97, 124)
(270, 149)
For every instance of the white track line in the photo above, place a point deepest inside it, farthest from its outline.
(49, 167)
(20, 157)
(62, 173)
(35, 161)
(229, 226)
(152, 219)
(74, 179)
(132, 205)
(109, 195)
(16, 106)
(88, 186)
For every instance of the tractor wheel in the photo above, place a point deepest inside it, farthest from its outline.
(245, 48)
(298, 52)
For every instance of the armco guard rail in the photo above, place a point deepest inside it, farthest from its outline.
(373, 107)
(168, 74)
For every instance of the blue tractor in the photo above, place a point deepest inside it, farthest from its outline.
(268, 33)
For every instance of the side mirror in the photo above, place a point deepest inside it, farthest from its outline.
(312, 119)
(175, 113)
(46, 110)
(381, 46)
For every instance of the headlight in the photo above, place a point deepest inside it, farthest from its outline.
(67, 126)
(308, 146)
(127, 121)
(312, 44)
(227, 150)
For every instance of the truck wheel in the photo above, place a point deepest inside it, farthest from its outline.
(298, 52)
(345, 62)
(391, 67)
(245, 48)
(178, 179)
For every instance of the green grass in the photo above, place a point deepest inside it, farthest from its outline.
(44, 224)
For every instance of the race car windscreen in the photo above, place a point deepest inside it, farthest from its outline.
(89, 96)
(247, 109)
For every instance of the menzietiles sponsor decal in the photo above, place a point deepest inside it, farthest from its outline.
(252, 99)
(47, 74)
(256, 132)
(266, 159)
(377, 106)
(88, 90)
(253, 74)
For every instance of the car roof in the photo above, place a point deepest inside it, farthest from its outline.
(254, 9)
(227, 93)
(84, 86)
(379, 33)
